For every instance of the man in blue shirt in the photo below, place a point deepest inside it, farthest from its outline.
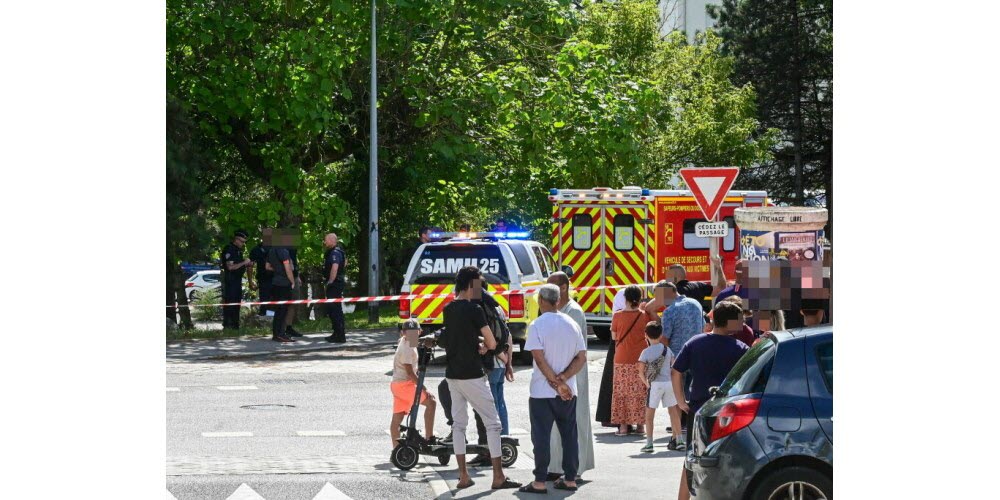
(682, 320)
(708, 358)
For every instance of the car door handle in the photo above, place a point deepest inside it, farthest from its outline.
(609, 267)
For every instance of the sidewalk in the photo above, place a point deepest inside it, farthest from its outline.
(193, 350)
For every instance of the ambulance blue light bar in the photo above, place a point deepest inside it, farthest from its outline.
(497, 235)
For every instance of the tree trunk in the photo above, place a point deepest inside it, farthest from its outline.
(175, 293)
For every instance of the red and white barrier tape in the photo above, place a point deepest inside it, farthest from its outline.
(393, 298)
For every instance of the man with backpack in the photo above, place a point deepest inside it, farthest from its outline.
(498, 364)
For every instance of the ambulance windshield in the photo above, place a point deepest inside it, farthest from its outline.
(438, 265)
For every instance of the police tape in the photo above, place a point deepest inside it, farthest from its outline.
(393, 298)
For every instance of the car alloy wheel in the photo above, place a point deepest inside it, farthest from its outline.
(797, 490)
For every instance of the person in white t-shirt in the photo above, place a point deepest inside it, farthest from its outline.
(559, 352)
(661, 391)
(619, 303)
(404, 383)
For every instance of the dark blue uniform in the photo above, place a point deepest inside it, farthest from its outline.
(259, 255)
(281, 289)
(232, 285)
(335, 290)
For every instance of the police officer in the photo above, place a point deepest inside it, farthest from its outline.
(259, 255)
(333, 271)
(233, 267)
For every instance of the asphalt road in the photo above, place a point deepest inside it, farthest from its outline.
(313, 425)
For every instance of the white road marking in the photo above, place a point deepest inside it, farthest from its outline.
(329, 492)
(320, 433)
(237, 387)
(226, 434)
(170, 496)
(515, 431)
(245, 492)
(173, 389)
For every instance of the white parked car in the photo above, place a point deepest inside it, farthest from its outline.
(200, 282)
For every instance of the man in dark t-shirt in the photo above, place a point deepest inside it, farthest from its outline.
(279, 262)
(697, 290)
(708, 357)
(464, 323)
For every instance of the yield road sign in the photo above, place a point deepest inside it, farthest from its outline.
(709, 186)
(711, 229)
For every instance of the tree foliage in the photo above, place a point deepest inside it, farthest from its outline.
(483, 106)
(785, 51)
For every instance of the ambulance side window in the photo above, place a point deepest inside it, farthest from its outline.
(624, 232)
(583, 228)
(692, 242)
(523, 258)
(541, 261)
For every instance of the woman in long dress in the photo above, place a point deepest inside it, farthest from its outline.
(628, 398)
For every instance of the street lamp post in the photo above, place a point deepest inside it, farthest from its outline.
(373, 236)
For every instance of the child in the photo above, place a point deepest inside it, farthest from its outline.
(660, 390)
(404, 382)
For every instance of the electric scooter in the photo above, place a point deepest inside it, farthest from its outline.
(412, 444)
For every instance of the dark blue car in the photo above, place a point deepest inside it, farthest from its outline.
(767, 432)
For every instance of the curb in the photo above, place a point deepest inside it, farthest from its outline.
(331, 347)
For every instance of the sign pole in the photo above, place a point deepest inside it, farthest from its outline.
(713, 250)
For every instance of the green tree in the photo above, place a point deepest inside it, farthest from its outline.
(785, 50)
(189, 232)
(483, 106)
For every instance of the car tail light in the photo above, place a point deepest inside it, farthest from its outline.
(188, 284)
(734, 416)
(404, 308)
(516, 304)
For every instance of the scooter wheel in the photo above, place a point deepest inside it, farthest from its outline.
(508, 454)
(404, 456)
(444, 459)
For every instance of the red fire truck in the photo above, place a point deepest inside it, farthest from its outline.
(631, 236)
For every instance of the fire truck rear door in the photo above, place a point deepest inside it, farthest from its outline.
(625, 243)
(580, 239)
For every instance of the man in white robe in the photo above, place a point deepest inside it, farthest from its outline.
(585, 436)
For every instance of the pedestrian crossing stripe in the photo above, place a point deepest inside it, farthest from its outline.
(245, 492)
(329, 492)
(173, 389)
(237, 387)
(170, 496)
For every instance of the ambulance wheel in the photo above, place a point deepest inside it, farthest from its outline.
(444, 459)
(404, 456)
(508, 454)
(603, 333)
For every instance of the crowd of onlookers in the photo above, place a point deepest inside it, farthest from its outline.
(666, 351)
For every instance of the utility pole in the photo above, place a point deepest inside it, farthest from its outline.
(373, 237)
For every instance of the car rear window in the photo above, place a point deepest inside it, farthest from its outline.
(438, 265)
(750, 374)
(523, 258)
(211, 277)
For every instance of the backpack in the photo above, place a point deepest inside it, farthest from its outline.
(496, 323)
